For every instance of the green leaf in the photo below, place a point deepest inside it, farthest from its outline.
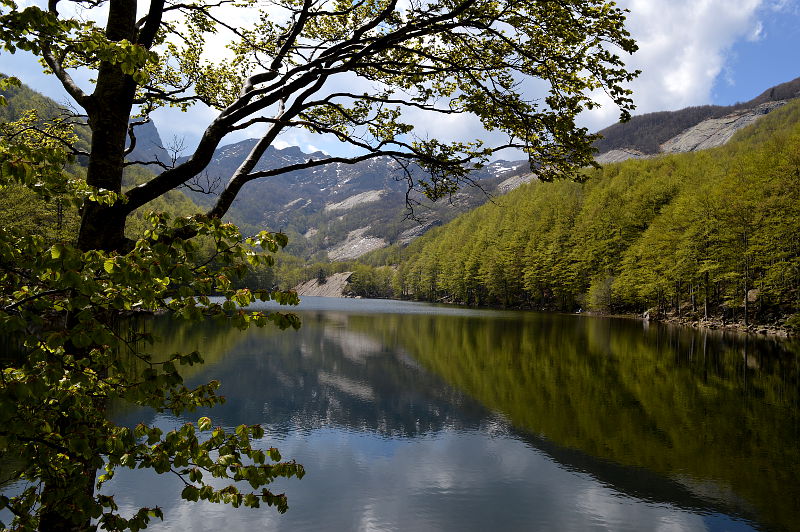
(57, 250)
(190, 493)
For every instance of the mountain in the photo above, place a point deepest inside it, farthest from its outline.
(149, 147)
(348, 210)
(339, 209)
(646, 134)
(21, 99)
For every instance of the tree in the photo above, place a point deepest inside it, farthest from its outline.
(435, 58)
(439, 58)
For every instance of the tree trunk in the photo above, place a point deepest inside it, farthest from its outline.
(103, 227)
(59, 500)
(746, 309)
(746, 280)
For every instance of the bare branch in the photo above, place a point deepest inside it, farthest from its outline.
(240, 176)
(203, 184)
(163, 166)
(291, 36)
(132, 124)
(66, 80)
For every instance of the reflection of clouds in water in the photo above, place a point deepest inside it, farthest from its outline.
(613, 511)
(451, 481)
(345, 385)
(356, 347)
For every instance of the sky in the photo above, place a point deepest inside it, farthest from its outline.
(691, 52)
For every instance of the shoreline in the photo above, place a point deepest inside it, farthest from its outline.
(714, 324)
(773, 330)
(759, 329)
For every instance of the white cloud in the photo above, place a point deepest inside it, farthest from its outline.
(683, 48)
(310, 148)
(757, 32)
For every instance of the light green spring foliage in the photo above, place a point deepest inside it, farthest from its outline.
(634, 235)
(61, 308)
(437, 58)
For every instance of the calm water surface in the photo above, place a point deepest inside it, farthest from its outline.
(416, 417)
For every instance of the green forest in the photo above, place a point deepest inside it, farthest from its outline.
(102, 251)
(685, 235)
(710, 234)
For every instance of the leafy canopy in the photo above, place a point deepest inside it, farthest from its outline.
(353, 69)
(56, 386)
(294, 65)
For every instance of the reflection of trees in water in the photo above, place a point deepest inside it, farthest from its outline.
(717, 413)
(713, 418)
(322, 375)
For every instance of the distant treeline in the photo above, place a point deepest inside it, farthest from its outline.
(712, 233)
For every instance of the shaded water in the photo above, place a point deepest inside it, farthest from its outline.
(415, 417)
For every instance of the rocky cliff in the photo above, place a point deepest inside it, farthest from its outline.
(717, 131)
(688, 129)
(709, 133)
(333, 286)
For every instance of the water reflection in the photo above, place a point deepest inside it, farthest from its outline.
(510, 420)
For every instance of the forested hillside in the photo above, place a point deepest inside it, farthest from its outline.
(686, 233)
(28, 112)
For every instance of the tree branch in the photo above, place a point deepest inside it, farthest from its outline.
(152, 23)
(66, 80)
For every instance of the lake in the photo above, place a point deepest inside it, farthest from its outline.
(416, 417)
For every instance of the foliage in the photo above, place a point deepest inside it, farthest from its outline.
(63, 301)
(55, 389)
(21, 100)
(371, 282)
(688, 233)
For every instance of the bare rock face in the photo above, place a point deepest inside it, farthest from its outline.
(619, 155)
(354, 201)
(356, 245)
(515, 182)
(717, 131)
(333, 287)
(408, 235)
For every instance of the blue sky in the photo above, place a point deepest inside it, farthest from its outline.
(692, 52)
(753, 66)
